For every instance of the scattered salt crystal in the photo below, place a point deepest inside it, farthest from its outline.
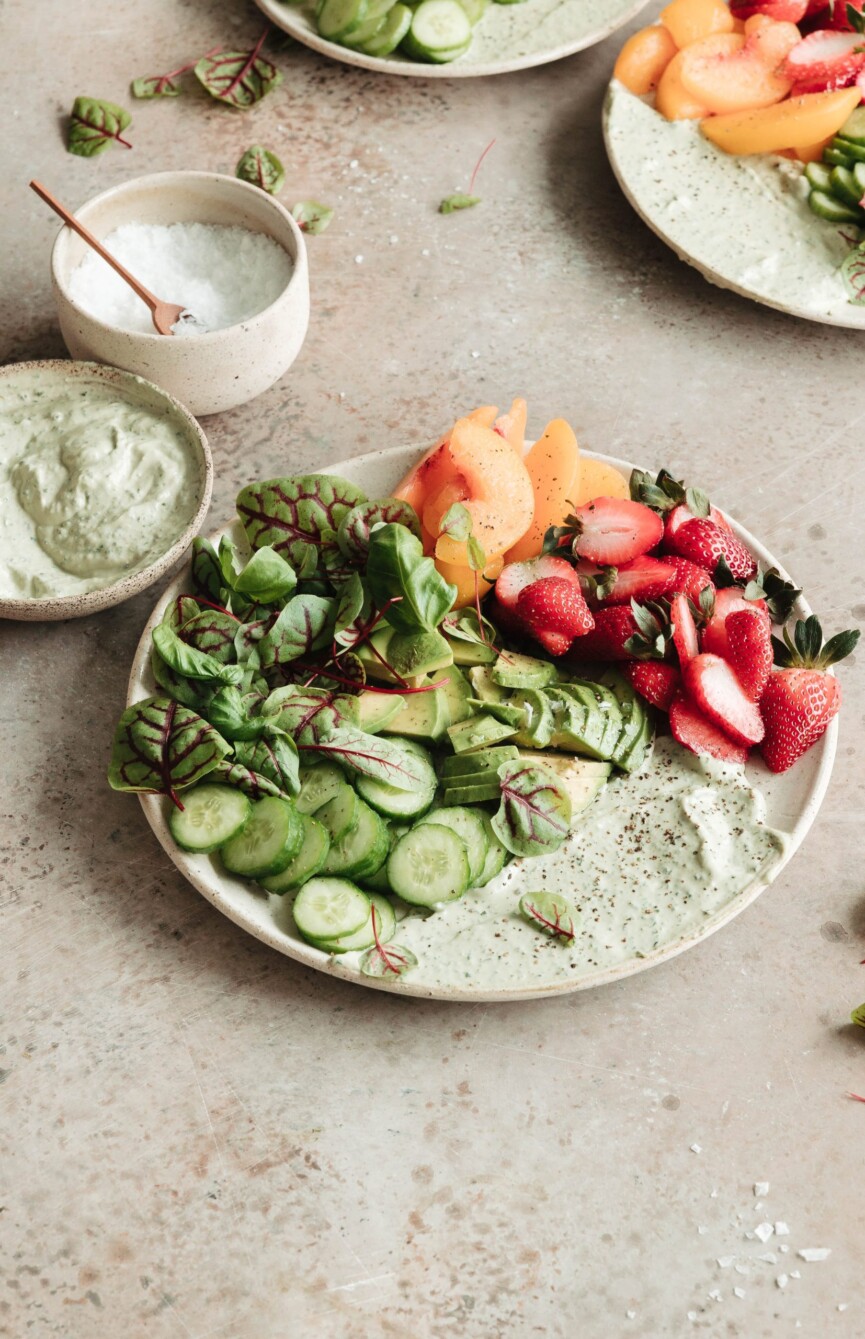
(425, 251)
(749, 1236)
(714, 1195)
(739, 1292)
(358, 260)
(763, 1231)
(814, 1253)
(715, 1295)
(692, 1315)
(742, 1269)
(782, 1230)
(785, 1248)
(696, 1148)
(758, 1208)
(795, 1273)
(393, 239)
(782, 1280)
(353, 163)
(725, 1261)
(769, 1257)
(702, 1231)
(842, 1306)
(631, 1315)
(761, 1188)
(223, 275)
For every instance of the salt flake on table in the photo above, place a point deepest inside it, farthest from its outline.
(763, 1231)
(715, 1294)
(782, 1230)
(761, 1188)
(632, 1315)
(739, 1292)
(842, 1306)
(696, 1148)
(725, 1261)
(814, 1253)
(769, 1257)
(782, 1280)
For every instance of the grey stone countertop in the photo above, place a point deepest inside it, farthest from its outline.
(201, 1138)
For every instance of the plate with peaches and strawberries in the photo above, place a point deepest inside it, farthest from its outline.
(735, 130)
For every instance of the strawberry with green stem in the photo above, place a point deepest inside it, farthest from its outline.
(800, 698)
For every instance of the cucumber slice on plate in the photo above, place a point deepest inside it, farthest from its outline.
(336, 19)
(497, 854)
(468, 826)
(389, 34)
(362, 850)
(318, 785)
(267, 842)
(376, 13)
(330, 909)
(440, 31)
(340, 814)
(306, 863)
(429, 866)
(393, 801)
(385, 927)
(819, 175)
(211, 816)
(825, 206)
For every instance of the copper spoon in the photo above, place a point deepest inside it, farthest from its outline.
(164, 314)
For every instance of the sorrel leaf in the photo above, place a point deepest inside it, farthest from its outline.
(228, 711)
(387, 960)
(95, 125)
(370, 755)
(292, 515)
(267, 577)
(311, 217)
(310, 715)
(206, 572)
(550, 913)
(238, 78)
(193, 664)
(244, 778)
(275, 758)
(180, 611)
(534, 815)
(157, 86)
(190, 693)
(161, 747)
(262, 168)
(462, 625)
(212, 632)
(451, 203)
(853, 275)
(355, 526)
(303, 626)
(397, 570)
(352, 612)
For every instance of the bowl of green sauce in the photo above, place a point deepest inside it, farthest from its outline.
(106, 479)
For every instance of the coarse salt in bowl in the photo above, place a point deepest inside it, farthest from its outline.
(211, 370)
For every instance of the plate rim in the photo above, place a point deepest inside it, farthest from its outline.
(333, 965)
(281, 15)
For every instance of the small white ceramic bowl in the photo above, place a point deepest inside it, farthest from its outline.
(55, 374)
(211, 372)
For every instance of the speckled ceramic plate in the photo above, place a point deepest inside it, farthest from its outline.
(743, 222)
(621, 932)
(509, 36)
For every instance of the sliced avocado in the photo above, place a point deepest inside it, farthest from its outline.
(370, 661)
(633, 712)
(376, 710)
(641, 746)
(457, 694)
(501, 711)
(608, 705)
(513, 670)
(583, 778)
(471, 653)
(425, 716)
(538, 722)
(478, 733)
(476, 792)
(481, 680)
(579, 727)
(485, 760)
(414, 653)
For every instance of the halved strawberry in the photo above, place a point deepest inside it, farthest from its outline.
(825, 60)
(706, 543)
(749, 638)
(654, 680)
(612, 531)
(785, 11)
(801, 699)
(554, 612)
(641, 579)
(680, 516)
(685, 638)
(516, 576)
(712, 685)
(690, 578)
(838, 18)
(728, 601)
(691, 728)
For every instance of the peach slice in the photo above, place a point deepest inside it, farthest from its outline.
(688, 21)
(426, 477)
(498, 493)
(598, 479)
(803, 120)
(553, 464)
(772, 39)
(512, 425)
(671, 100)
(485, 415)
(727, 74)
(644, 58)
(812, 153)
(461, 576)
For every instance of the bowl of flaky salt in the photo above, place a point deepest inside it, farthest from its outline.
(230, 254)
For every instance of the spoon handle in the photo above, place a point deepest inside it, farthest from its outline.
(71, 221)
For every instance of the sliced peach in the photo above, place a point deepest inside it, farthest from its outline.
(812, 153)
(455, 490)
(498, 491)
(463, 578)
(553, 464)
(771, 39)
(803, 120)
(726, 74)
(598, 479)
(671, 100)
(512, 425)
(426, 477)
(644, 58)
(688, 21)
(484, 414)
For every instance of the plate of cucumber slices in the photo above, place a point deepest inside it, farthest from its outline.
(451, 39)
(476, 822)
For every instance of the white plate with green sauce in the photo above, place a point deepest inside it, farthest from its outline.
(507, 37)
(742, 221)
(652, 865)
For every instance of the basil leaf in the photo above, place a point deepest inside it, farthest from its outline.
(228, 712)
(274, 757)
(193, 664)
(161, 747)
(451, 203)
(534, 816)
(291, 515)
(397, 569)
(355, 527)
(244, 778)
(262, 168)
(238, 78)
(206, 573)
(310, 715)
(190, 693)
(213, 633)
(267, 577)
(303, 626)
(94, 126)
(370, 755)
(311, 217)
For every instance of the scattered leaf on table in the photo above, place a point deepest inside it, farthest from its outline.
(262, 168)
(311, 217)
(238, 78)
(451, 203)
(95, 125)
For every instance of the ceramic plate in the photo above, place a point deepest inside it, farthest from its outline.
(508, 37)
(520, 963)
(743, 222)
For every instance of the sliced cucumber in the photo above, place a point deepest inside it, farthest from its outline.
(497, 854)
(393, 801)
(390, 33)
(376, 13)
(819, 175)
(849, 147)
(340, 814)
(210, 817)
(362, 850)
(854, 127)
(842, 184)
(836, 156)
(468, 826)
(318, 785)
(268, 841)
(306, 863)
(825, 206)
(429, 866)
(329, 909)
(439, 28)
(336, 19)
(385, 927)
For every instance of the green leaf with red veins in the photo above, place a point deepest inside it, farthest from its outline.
(356, 526)
(312, 217)
(292, 515)
(267, 578)
(303, 626)
(534, 816)
(462, 626)
(180, 611)
(244, 778)
(262, 168)
(275, 757)
(550, 913)
(238, 78)
(310, 715)
(189, 662)
(386, 961)
(456, 523)
(156, 86)
(206, 572)
(370, 755)
(95, 125)
(213, 633)
(353, 612)
(161, 748)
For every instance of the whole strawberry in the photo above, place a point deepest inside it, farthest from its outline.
(554, 612)
(654, 680)
(800, 699)
(706, 543)
(626, 632)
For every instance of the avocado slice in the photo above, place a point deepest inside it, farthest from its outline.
(481, 680)
(376, 710)
(513, 670)
(537, 730)
(641, 746)
(633, 711)
(579, 726)
(458, 694)
(500, 711)
(474, 792)
(414, 653)
(425, 716)
(608, 705)
(471, 653)
(471, 764)
(583, 778)
(477, 733)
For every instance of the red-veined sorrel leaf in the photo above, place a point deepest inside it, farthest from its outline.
(161, 747)
(385, 959)
(355, 526)
(353, 613)
(190, 693)
(451, 203)
(180, 611)
(292, 515)
(853, 274)
(213, 633)
(310, 715)
(262, 168)
(244, 778)
(95, 125)
(274, 757)
(304, 625)
(238, 78)
(371, 755)
(534, 816)
(163, 85)
(189, 662)
(311, 217)
(551, 913)
(206, 573)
